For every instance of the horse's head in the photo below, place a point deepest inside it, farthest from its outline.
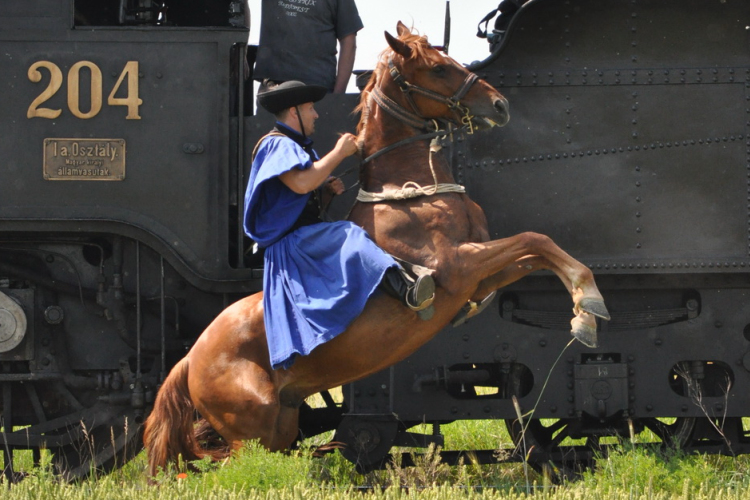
(431, 84)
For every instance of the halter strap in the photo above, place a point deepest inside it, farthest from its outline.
(415, 119)
(398, 112)
(453, 102)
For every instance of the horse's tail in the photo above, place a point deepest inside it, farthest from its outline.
(169, 431)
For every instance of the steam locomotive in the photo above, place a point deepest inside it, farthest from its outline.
(123, 150)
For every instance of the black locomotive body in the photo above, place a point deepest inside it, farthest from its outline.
(628, 145)
(123, 150)
(123, 144)
(118, 211)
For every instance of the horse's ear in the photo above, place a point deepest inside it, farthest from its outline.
(398, 46)
(401, 29)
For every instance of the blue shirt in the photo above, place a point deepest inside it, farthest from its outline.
(317, 278)
(271, 208)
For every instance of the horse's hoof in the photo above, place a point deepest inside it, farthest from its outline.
(595, 307)
(585, 336)
(583, 327)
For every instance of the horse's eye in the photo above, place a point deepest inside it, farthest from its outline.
(438, 70)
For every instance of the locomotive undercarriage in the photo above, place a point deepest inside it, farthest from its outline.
(657, 379)
(87, 331)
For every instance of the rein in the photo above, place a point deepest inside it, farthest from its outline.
(404, 142)
(416, 120)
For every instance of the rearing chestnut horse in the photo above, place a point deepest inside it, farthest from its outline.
(414, 210)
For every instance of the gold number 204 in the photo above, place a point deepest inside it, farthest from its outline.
(131, 101)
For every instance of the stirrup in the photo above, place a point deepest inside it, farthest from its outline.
(471, 309)
(413, 285)
(423, 292)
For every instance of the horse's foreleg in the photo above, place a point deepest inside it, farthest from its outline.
(514, 255)
(273, 425)
(287, 428)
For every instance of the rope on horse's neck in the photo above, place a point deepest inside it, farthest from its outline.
(412, 189)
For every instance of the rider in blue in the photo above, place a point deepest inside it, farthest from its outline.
(317, 275)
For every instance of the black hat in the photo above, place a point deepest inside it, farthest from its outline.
(289, 94)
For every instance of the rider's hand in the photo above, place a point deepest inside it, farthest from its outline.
(347, 144)
(334, 186)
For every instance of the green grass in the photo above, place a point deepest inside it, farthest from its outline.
(649, 469)
(628, 472)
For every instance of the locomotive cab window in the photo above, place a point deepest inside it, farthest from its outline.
(96, 12)
(187, 13)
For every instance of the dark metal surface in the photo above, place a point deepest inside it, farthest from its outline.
(121, 155)
(178, 150)
(628, 145)
(623, 113)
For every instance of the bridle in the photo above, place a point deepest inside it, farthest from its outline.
(431, 127)
(453, 102)
(414, 118)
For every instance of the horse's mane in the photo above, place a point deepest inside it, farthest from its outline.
(419, 50)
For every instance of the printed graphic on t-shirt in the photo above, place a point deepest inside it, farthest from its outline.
(292, 7)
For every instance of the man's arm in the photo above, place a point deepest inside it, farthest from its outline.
(347, 51)
(304, 181)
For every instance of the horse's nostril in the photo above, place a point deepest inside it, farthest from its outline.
(501, 107)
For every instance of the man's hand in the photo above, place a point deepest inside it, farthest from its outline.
(304, 181)
(347, 144)
(333, 186)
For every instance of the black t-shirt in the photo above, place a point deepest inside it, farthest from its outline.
(298, 39)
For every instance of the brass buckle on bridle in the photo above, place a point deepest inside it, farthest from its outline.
(466, 119)
(464, 113)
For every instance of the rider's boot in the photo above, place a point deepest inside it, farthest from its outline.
(416, 292)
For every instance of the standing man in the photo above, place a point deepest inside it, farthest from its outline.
(317, 275)
(298, 42)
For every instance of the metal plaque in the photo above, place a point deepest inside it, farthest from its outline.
(84, 159)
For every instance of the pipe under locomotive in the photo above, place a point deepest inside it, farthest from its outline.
(124, 147)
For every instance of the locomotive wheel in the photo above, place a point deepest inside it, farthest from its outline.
(677, 434)
(366, 442)
(545, 437)
(548, 435)
(114, 439)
